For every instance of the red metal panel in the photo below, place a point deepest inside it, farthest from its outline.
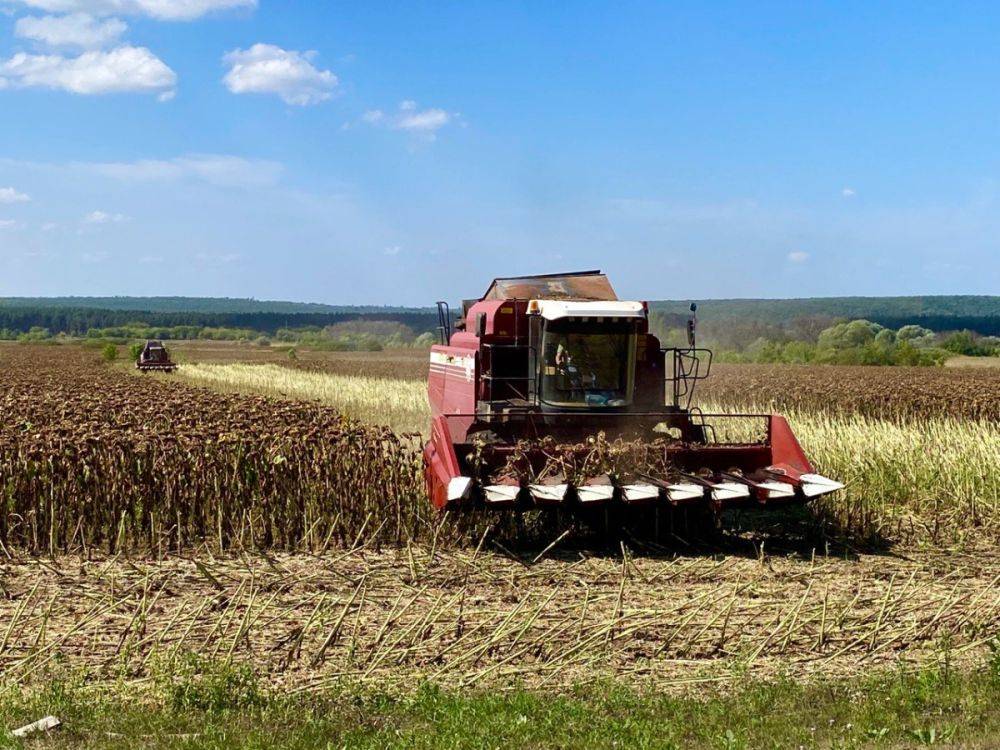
(436, 387)
(440, 462)
(452, 382)
(785, 449)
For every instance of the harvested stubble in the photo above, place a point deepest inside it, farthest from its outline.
(399, 403)
(472, 617)
(403, 364)
(92, 458)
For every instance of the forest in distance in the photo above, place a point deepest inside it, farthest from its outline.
(844, 330)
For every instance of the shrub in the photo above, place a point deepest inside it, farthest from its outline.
(109, 352)
(915, 335)
(966, 343)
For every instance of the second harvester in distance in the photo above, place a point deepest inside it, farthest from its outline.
(542, 368)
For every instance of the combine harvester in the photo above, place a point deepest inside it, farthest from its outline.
(154, 357)
(548, 384)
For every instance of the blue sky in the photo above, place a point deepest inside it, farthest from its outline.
(397, 153)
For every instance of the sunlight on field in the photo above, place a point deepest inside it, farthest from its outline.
(935, 475)
(973, 362)
(929, 475)
(402, 404)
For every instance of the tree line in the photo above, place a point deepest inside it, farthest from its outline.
(78, 321)
(821, 340)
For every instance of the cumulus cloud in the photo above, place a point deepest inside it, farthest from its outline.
(848, 192)
(102, 217)
(798, 256)
(215, 169)
(7, 224)
(77, 30)
(409, 117)
(163, 10)
(268, 69)
(427, 120)
(121, 70)
(10, 195)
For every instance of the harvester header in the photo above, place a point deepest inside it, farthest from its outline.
(549, 391)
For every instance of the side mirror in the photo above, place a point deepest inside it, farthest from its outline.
(692, 325)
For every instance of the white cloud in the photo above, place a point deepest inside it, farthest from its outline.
(151, 259)
(98, 256)
(848, 192)
(798, 256)
(102, 217)
(121, 70)
(428, 120)
(411, 118)
(77, 30)
(267, 69)
(163, 10)
(392, 250)
(10, 195)
(215, 169)
(7, 224)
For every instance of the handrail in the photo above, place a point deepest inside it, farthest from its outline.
(444, 323)
(687, 371)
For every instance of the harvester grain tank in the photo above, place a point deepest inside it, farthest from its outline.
(154, 357)
(546, 382)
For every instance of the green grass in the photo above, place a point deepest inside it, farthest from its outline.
(198, 705)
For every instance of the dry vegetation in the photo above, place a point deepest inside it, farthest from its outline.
(880, 392)
(964, 389)
(170, 510)
(405, 364)
(401, 404)
(90, 457)
(463, 617)
(918, 477)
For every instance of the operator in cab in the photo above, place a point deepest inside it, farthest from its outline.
(584, 370)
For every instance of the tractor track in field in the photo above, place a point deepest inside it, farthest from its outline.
(394, 618)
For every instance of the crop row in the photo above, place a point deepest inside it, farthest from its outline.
(91, 457)
(930, 478)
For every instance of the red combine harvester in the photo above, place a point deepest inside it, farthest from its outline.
(544, 370)
(154, 357)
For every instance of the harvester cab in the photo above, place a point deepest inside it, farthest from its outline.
(154, 357)
(552, 392)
